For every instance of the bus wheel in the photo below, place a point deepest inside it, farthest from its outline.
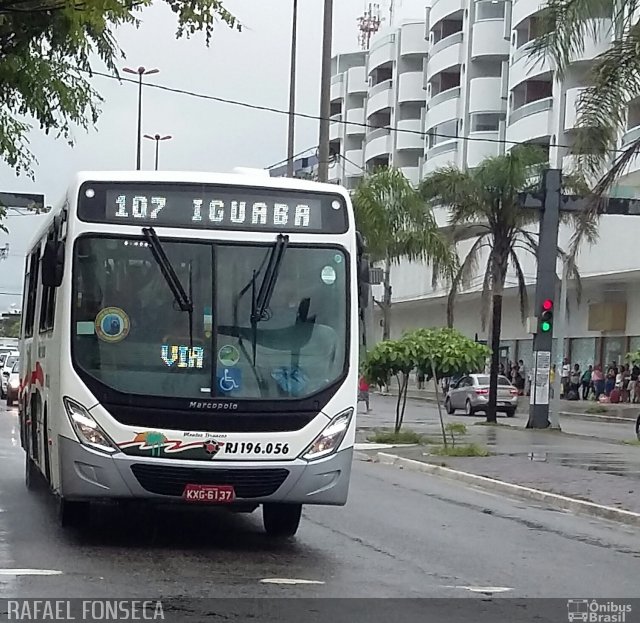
(281, 520)
(71, 514)
(30, 473)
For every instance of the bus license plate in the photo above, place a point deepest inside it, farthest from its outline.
(212, 494)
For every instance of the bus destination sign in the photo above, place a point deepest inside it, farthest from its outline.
(212, 207)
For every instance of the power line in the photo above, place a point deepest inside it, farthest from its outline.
(304, 151)
(224, 100)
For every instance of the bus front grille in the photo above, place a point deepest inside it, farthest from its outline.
(248, 483)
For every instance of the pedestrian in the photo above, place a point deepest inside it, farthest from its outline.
(363, 392)
(634, 384)
(552, 380)
(421, 378)
(575, 381)
(597, 378)
(585, 382)
(610, 380)
(565, 378)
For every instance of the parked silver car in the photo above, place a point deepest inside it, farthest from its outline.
(471, 393)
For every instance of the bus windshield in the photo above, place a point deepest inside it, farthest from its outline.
(130, 334)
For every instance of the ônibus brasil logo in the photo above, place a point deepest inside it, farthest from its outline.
(594, 611)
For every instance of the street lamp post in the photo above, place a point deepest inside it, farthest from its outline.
(325, 93)
(157, 138)
(140, 72)
(292, 89)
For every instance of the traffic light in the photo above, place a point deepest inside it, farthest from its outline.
(546, 316)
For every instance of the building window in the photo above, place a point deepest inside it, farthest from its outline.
(613, 350)
(443, 132)
(486, 122)
(583, 351)
(32, 289)
(489, 9)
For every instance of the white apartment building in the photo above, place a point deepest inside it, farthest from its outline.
(461, 81)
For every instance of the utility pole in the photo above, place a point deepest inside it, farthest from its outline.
(140, 72)
(550, 203)
(292, 90)
(325, 93)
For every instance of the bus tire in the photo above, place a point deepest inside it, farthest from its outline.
(281, 520)
(72, 513)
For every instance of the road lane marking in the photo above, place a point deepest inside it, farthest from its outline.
(487, 590)
(289, 581)
(30, 572)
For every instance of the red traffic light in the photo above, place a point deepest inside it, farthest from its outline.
(547, 305)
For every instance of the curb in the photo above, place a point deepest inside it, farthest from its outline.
(552, 499)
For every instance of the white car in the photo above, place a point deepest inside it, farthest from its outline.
(5, 373)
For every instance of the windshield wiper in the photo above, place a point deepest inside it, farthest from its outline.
(168, 272)
(260, 302)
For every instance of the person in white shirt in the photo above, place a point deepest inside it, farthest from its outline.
(564, 377)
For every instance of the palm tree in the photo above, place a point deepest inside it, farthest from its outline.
(614, 81)
(396, 223)
(483, 206)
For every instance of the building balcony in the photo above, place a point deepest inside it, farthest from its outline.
(482, 145)
(442, 107)
(336, 128)
(410, 87)
(631, 135)
(412, 40)
(336, 171)
(525, 67)
(357, 80)
(522, 9)
(409, 136)
(488, 39)
(443, 8)
(378, 143)
(337, 87)
(441, 155)
(531, 121)
(381, 51)
(448, 52)
(380, 97)
(486, 95)
(355, 116)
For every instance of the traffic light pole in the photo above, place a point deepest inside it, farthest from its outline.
(545, 295)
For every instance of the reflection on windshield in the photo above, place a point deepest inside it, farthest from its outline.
(130, 335)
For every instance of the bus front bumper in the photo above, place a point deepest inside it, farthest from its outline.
(86, 474)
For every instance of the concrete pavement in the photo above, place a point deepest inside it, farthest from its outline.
(401, 534)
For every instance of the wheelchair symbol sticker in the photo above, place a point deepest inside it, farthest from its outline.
(230, 380)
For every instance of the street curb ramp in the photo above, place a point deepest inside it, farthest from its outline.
(491, 484)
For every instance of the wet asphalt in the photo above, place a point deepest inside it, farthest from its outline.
(401, 535)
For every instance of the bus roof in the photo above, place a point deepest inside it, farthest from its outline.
(247, 177)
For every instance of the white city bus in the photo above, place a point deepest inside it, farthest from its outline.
(193, 337)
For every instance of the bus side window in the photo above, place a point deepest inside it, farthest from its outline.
(47, 308)
(32, 288)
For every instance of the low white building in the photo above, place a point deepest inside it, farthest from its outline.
(454, 86)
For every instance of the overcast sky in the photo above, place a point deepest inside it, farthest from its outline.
(251, 66)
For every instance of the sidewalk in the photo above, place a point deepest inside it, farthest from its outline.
(624, 411)
(589, 470)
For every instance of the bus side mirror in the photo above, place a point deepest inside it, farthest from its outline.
(363, 282)
(52, 264)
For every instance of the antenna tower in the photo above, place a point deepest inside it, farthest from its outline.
(368, 25)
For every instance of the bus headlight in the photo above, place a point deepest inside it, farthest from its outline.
(88, 431)
(329, 440)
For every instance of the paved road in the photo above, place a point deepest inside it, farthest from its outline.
(401, 535)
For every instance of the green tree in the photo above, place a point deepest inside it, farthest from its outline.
(396, 223)
(10, 326)
(483, 206)
(613, 80)
(46, 48)
(443, 351)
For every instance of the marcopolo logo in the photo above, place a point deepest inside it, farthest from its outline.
(594, 611)
(215, 406)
